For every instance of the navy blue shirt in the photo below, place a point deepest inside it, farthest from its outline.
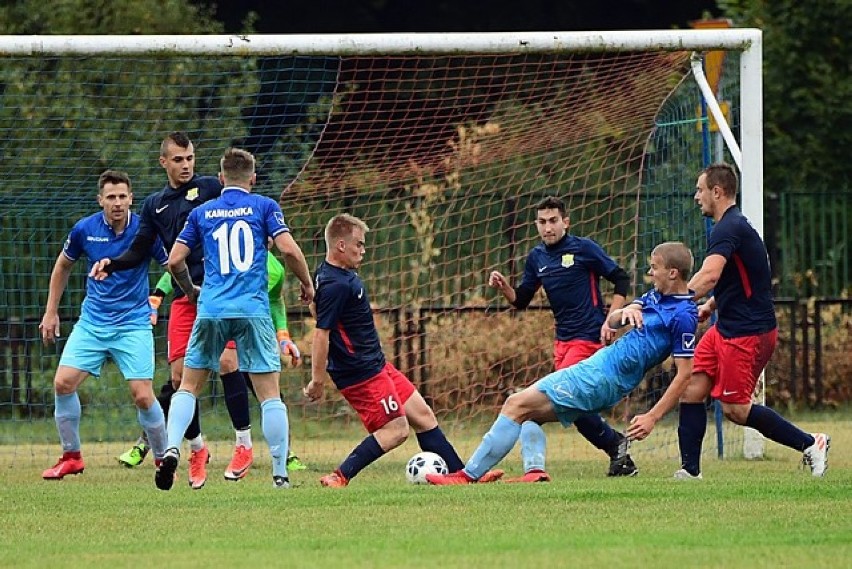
(121, 300)
(164, 214)
(570, 271)
(744, 291)
(354, 351)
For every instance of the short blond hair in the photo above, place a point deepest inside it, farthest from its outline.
(676, 255)
(340, 226)
(237, 165)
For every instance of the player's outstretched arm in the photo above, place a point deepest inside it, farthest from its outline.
(319, 360)
(179, 270)
(501, 283)
(707, 276)
(295, 261)
(630, 315)
(642, 425)
(138, 253)
(49, 326)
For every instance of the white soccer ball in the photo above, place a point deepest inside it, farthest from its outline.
(424, 463)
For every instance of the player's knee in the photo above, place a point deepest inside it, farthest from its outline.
(516, 408)
(393, 434)
(64, 385)
(736, 413)
(697, 389)
(227, 362)
(143, 400)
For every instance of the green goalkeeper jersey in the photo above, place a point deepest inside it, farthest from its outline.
(275, 271)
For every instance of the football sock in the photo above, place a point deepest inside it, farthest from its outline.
(67, 417)
(775, 427)
(196, 443)
(273, 416)
(165, 397)
(533, 446)
(244, 438)
(690, 435)
(236, 399)
(180, 415)
(495, 445)
(193, 430)
(435, 441)
(595, 430)
(367, 452)
(154, 424)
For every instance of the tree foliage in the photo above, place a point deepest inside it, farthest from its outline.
(807, 89)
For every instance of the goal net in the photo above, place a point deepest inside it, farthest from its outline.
(443, 149)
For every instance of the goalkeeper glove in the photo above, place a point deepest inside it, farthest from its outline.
(154, 302)
(288, 347)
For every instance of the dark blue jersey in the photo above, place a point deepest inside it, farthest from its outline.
(570, 271)
(743, 293)
(343, 308)
(164, 214)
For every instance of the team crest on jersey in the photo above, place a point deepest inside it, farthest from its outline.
(567, 260)
(688, 341)
(192, 195)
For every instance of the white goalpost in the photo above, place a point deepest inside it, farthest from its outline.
(442, 142)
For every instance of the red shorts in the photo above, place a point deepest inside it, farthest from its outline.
(733, 364)
(380, 399)
(570, 352)
(181, 318)
(231, 345)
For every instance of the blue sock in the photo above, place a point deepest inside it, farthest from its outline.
(181, 411)
(690, 435)
(367, 452)
(67, 415)
(273, 417)
(236, 400)
(435, 441)
(153, 422)
(533, 446)
(776, 428)
(596, 431)
(495, 445)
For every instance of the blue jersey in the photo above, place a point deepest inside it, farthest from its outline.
(744, 291)
(354, 351)
(122, 299)
(570, 272)
(233, 231)
(165, 213)
(669, 325)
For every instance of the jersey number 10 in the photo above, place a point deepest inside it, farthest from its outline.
(229, 240)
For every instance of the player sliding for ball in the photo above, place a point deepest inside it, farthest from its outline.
(346, 345)
(664, 322)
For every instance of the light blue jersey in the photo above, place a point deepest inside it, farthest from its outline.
(233, 230)
(600, 381)
(121, 300)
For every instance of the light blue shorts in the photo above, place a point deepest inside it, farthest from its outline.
(578, 390)
(88, 347)
(257, 348)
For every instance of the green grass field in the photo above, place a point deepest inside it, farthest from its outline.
(744, 514)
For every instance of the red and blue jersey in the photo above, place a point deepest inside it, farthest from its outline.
(232, 230)
(165, 213)
(122, 299)
(343, 308)
(744, 291)
(570, 272)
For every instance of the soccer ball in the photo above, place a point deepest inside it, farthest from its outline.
(424, 463)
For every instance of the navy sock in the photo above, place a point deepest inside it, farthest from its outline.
(165, 397)
(690, 435)
(193, 431)
(435, 441)
(596, 431)
(776, 428)
(236, 400)
(367, 452)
